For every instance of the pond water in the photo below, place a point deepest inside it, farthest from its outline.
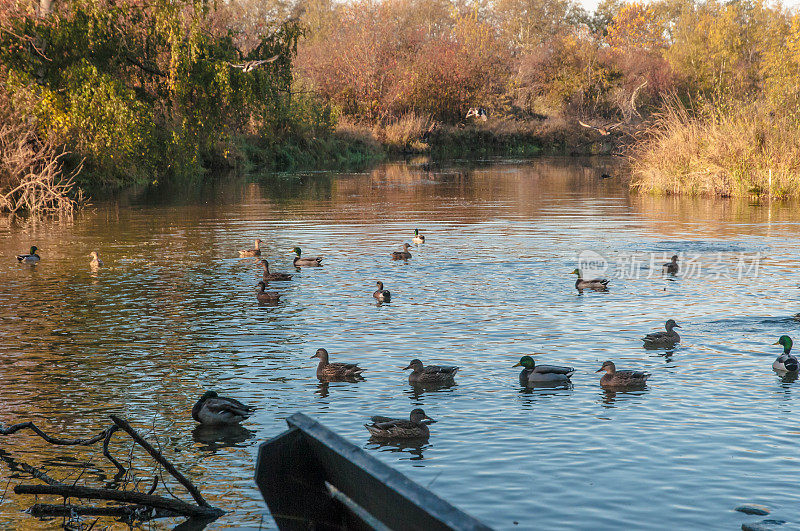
(173, 313)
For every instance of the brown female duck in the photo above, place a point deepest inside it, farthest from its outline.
(382, 295)
(625, 378)
(413, 428)
(332, 371)
(266, 296)
(663, 339)
(430, 374)
(402, 255)
(671, 267)
(273, 276)
(255, 251)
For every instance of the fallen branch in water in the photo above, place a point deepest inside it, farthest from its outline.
(139, 505)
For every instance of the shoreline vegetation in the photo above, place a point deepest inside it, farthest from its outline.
(701, 97)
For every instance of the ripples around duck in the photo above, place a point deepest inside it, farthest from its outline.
(173, 313)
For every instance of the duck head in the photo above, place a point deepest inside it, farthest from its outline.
(406, 246)
(380, 285)
(527, 362)
(265, 264)
(415, 364)
(416, 232)
(670, 325)
(786, 342)
(674, 258)
(261, 286)
(207, 395)
(93, 254)
(321, 353)
(418, 416)
(297, 251)
(608, 366)
(576, 272)
(34, 249)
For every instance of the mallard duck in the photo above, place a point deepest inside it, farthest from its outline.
(786, 361)
(532, 374)
(671, 267)
(215, 409)
(256, 251)
(305, 262)
(597, 284)
(418, 238)
(402, 255)
(663, 339)
(273, 276)
(615, 378)
(382, 295)
(266, 296)
(95, 261)
(31, 258)
(413, 428)
(430, 374)
(332, 371)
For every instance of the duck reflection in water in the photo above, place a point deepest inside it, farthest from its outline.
(324, 386)
(415, 447)
(416, 391)
(217, 437)
(609, 396)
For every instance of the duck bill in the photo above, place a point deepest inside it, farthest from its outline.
(777, 343)
(601, 369)
(677, 326)
(406, 368)
(428, 420)
(314, 356)
(516, 365)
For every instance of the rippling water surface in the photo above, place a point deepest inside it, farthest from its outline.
(173, 313)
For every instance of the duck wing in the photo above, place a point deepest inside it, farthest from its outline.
(554, 369)
(655, 336)
(345, 368)
(228, 408)
(631, 375)
(377, 419)
(444, 370)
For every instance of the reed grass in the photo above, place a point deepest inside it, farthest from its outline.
(726, 150)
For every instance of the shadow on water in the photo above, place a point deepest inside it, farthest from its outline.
(413, 447)
(610, 397)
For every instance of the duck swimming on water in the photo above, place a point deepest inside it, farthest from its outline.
(402, 255)
(671, 267)
(430, 374)
(266, 296)
(299, 261)
(273, 276)
(413, 428)
(382, 295)
(255, 251)
(217, 410)
(786, 362)
(663, 339)
(532, 374)
(622, 378)
(30, 258)
(597, 284)
(418, 238)
(332, 371)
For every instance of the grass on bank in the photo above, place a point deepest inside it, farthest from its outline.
(726, 151)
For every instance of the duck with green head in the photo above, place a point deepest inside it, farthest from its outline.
(663, 339)
(418, 238)
(31, 258)
(533, 374)
(786, 362)
(213, 409)
(597, 284)
(416, 427)
(299, 261)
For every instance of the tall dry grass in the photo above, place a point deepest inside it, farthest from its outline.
(728, 150)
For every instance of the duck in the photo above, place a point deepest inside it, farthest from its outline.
(430, 374)
(213, 409)
(786, 361)
(416, 427)
(663, 339)
(418, 238)
(256, 251)
(382, 295)
(623, 378)
(30, 258)
(597, 284)
(266, 296)
(95, 261)
(273, 276)
(402, 255)
(305, 262)
(332, 371)
(671, 267)
(533, 374)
